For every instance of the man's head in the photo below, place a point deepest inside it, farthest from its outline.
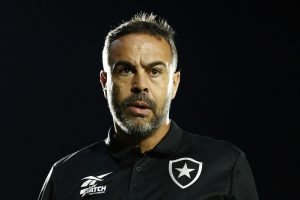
(139, 78)
(141, 23)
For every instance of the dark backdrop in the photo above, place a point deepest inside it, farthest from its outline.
(239, 83)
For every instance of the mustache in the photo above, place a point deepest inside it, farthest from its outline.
(138, 97)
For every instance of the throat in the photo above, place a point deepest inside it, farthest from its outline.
(150, 142)
(145, 144)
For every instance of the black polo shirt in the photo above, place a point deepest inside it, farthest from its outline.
(182, 166)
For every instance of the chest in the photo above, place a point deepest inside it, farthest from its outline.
(177, 177)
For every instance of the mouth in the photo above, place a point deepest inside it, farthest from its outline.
(139, 104)
(139, 108)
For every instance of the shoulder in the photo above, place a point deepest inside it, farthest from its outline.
(211, 148)
(83, 156)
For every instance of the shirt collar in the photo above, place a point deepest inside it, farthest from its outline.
(168, 145)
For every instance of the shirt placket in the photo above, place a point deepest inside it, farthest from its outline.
(137, 179)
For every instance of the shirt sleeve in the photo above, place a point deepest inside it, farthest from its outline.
(47, 192)
(243, 184)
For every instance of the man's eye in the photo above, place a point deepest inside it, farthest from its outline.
(155, 72)
(125, 71)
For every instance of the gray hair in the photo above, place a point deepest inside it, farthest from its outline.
(142, 23)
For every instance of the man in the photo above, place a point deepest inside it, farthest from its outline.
(146, 155)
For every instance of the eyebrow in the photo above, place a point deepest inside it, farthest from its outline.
(152, 64)
(149, 65)
(122, 62)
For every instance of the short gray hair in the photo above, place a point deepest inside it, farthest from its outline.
(142, 23)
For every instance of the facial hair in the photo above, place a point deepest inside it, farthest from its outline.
(130, 125)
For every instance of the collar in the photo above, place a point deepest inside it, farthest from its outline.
(168, 145)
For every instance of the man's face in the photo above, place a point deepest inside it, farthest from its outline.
(140, 83)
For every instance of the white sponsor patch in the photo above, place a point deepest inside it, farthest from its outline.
(90, 185)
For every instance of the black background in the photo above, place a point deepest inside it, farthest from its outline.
(239, 83)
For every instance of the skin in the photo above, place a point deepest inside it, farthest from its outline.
(140, 63)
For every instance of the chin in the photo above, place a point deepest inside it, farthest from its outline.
(138, 122)
(138, 126)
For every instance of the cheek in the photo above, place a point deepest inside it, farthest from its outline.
(161, 91)
(120, 89)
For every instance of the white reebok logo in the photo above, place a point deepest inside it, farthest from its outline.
(89, 187)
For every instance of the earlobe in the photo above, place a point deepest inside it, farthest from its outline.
(176, 81)
(103, 81)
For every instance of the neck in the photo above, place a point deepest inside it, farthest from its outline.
(145, 144)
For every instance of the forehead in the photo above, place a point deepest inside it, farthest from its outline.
(140, 46)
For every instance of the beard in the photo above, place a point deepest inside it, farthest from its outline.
(138, 127)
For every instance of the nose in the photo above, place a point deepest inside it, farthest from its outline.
(139, 83)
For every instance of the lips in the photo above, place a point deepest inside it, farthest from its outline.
(139, 108)
(140, 104)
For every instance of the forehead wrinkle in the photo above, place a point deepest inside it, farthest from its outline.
(121, 51)
(137, 48)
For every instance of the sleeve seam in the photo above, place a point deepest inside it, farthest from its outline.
(232, 173)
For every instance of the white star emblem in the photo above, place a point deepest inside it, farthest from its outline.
(184, 171)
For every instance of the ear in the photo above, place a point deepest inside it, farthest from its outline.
(176, 81)
(103, 81)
